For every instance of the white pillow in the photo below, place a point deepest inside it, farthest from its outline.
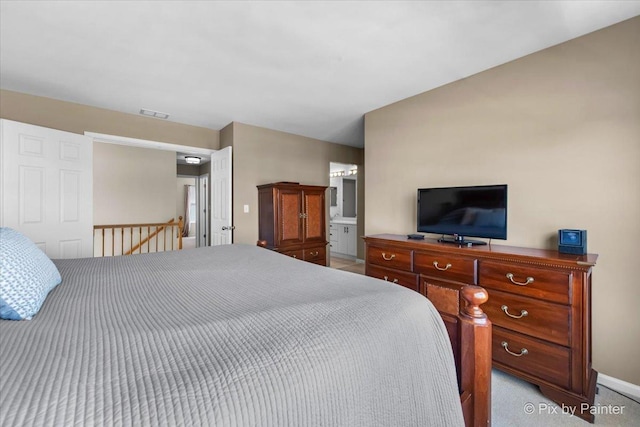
(26, 276)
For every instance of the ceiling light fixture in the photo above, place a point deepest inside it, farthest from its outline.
(192, 160)
(151, 113)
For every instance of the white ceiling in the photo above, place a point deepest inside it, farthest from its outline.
(311, 68)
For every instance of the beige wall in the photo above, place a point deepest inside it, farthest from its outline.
(78, 118)
(133, 185)
(561, 127)
(261, 156)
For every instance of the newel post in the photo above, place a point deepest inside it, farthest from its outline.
(475, 331)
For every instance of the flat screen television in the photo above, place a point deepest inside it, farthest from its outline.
(460, 212)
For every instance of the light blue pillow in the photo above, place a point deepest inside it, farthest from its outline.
(26, 276)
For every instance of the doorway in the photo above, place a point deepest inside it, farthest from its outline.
(201, 168)
(343, 213)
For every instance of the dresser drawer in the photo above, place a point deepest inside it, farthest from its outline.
(540, 319)
(399, 259)
(316, 255)
(404, 278)
(445, 266)
(550, 285)
(298, 253)
(541, 359)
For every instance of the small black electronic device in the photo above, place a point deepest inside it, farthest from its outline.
(416, 236)
(572, 241)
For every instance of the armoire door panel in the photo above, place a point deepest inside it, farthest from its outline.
(290, 217)
(314, 220)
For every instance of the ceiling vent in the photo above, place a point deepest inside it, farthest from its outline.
(151, 113)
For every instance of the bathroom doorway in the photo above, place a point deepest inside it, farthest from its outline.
(343, 212)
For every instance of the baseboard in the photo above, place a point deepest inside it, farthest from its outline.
(622, 387)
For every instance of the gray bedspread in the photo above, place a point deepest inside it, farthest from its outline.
(232, 335)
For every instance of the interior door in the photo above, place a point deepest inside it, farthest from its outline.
(46, 179)
(221, 229)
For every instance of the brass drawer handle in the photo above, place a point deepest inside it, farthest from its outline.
(523, 313)
(523, 351)
(510, 277)
(387, 279)
(445, 268)
(384, 256)
(314, 253)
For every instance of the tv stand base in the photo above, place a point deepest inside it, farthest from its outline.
(461, 241)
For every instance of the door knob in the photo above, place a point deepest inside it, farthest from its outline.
(224, 227)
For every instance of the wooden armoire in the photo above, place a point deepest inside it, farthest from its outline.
(292, 220)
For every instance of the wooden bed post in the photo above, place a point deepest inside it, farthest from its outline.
(475, 358)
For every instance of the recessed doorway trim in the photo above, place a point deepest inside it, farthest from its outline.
(143, 143)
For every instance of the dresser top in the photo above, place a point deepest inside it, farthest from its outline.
(488, 251)
(288, 184)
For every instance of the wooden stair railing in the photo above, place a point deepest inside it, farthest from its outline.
(160, 244)
(159, 229)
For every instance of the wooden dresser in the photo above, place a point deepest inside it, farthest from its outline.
(539, 304)
(292, 220)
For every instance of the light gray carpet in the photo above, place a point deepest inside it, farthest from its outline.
(513, 400)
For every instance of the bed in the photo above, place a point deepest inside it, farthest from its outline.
(234, 335)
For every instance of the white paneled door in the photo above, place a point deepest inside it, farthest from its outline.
(46, 178)
(221, 175)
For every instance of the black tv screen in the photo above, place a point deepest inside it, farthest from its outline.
(476, 211)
